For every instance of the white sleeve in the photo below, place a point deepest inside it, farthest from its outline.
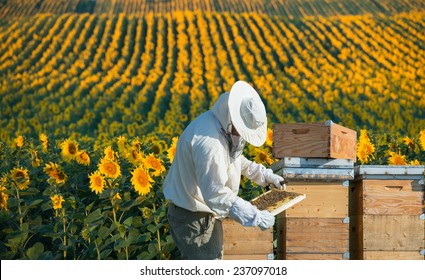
(253, 171)
(211, 173)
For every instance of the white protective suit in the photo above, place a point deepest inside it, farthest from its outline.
(204, 178)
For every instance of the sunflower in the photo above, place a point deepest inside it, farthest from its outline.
(36, 162)
(146, 212)
(20, 141)
(269, 138)
(263, 156)
(172, 150)
(134, 156)
(69, 149)
(97, 182)
(55, 172)
(151, 162)
(21, 178)
(396, 159)
(414, 162)
(141, 181)
(44, 142)
(3, 198)
(365, 147)
(422, 139)
(57, 201)
(83, 158)
(117, 197)
(137, 144)
(109, 153)
(409, 142)
(122, 145)
(110, 169)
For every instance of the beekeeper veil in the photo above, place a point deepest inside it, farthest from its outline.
(243, 110)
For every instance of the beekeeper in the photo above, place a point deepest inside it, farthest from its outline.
(203, 181)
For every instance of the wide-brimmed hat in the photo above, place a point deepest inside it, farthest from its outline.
(247, 113)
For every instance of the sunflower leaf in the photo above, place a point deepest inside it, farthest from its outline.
(35, 251)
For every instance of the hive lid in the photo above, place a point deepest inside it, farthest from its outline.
(279, 200)
(321, 163)
(389, 171)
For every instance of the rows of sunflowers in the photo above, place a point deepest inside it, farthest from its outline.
(63, 200)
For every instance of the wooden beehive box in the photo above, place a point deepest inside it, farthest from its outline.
(318, 226)
(314, 140)
(387, 212)
(246, 243)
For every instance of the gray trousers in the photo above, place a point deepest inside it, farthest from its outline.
(198, 235)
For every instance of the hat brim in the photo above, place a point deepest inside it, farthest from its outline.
(241, 90)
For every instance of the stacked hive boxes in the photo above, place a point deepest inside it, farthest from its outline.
(317, 159)
(387, 212)
(246, 243)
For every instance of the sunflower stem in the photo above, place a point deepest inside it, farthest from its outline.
(64, 232)
(114, 212)
(158, 236)
(97, 250)
(19, 208)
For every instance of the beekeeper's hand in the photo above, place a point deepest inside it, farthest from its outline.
(266, 220)
(274, 179)
(247, 214)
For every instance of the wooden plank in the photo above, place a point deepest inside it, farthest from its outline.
(323, 200)
(314, 235)
(356, 237)
(355, 198)
(240, 240)
(392, 197)
(307, 256)
(389, 197)
(392, 255)
(301, 140)
(247, 257)
(392, 232)
(343, 142)
(316, 140)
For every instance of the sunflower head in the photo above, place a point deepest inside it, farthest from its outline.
(263, 156)
(152, 162)
(69, 150)
(44, 142)
(55, 172)
(3, 198)
(171, 152)
(111, 169)
(365, 148)
(146, 212)
(409, 142)
(109, 153)
(20, 141)
(21, 178)
(396, 159)
(57, 201)
(97, 182)
(422, 139)
(122, 145)
(134, 156)
(141, 181)
(83, 158)
(269, 138)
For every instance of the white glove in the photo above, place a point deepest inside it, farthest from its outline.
(274, 179)
(248, 215)
(266, 220)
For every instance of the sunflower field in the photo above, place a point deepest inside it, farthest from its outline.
(94, 95)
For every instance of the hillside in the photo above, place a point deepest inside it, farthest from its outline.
(103, 76)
